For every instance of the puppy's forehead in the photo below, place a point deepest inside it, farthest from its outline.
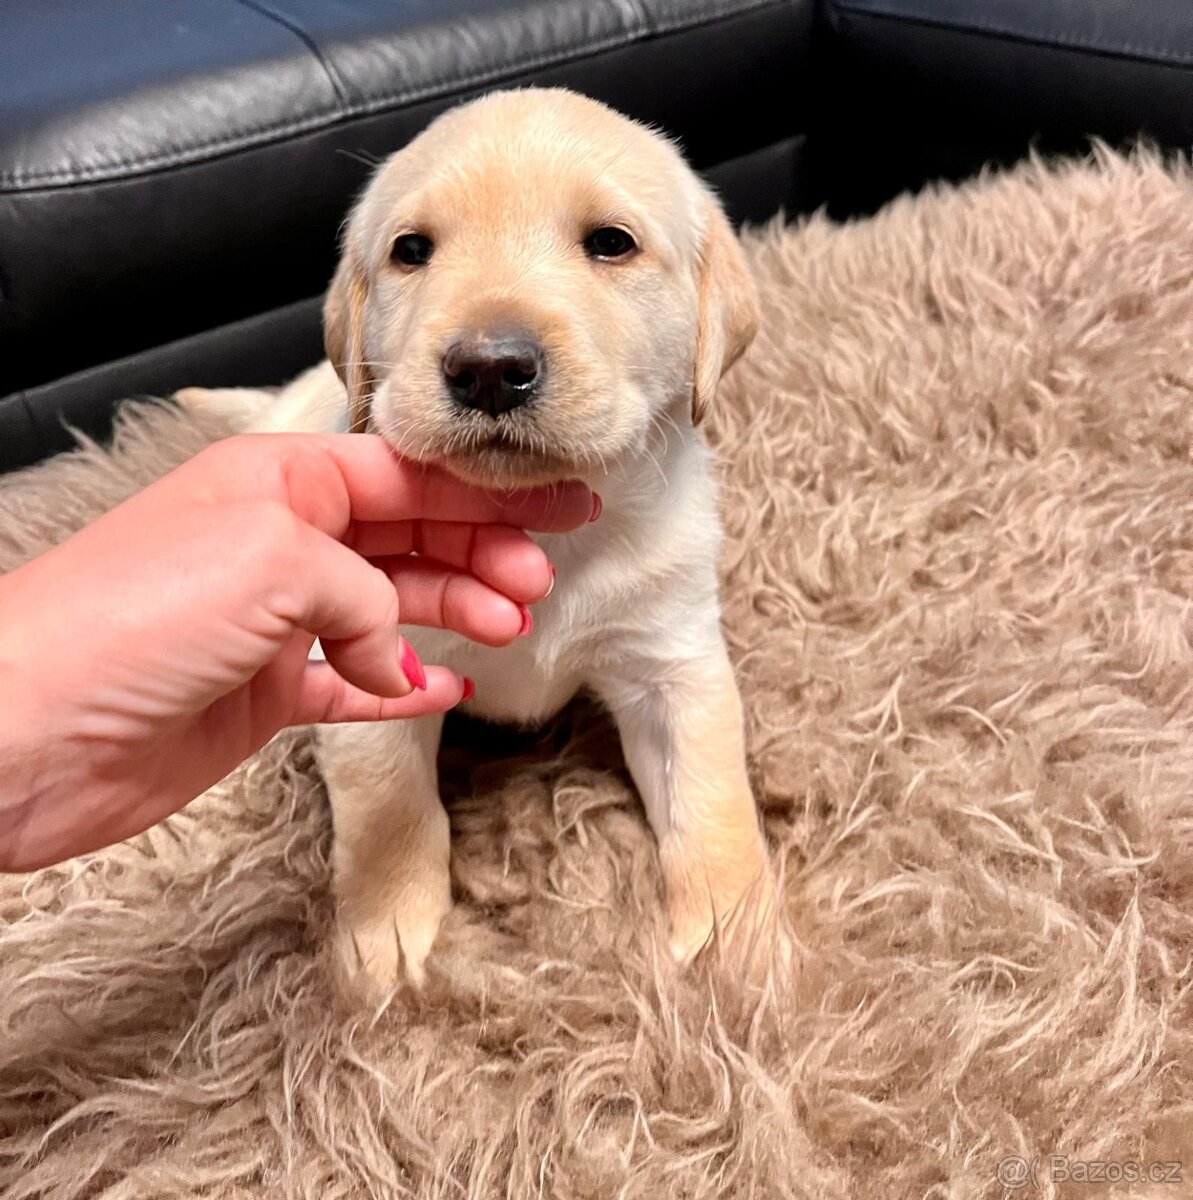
(534, 155)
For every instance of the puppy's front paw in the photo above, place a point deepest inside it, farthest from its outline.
(388, 945)
(734, 916)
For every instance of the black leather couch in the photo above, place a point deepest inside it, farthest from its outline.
(173, 173)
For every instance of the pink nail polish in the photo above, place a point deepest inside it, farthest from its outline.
(412, 667)
(469, 690)
(551, 585)
(597, 508)
(527, 623)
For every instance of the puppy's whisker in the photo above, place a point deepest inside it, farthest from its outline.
(648, 454)
(361, 156)
(666, 416)
(395, 431)
(330, 403)
(654, 462)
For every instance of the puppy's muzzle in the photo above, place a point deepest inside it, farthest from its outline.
(493, 373)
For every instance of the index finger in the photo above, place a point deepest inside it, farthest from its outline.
(333, 480)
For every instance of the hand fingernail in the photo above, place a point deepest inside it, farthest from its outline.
(597, 507)
(551, 585)
(469, 690)
(527, 623)
(412, 667)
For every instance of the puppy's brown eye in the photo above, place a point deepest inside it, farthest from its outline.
(412, 250)
(609, 242)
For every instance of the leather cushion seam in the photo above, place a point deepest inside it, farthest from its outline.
(113, 170)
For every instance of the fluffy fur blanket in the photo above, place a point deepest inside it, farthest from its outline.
(959, 498)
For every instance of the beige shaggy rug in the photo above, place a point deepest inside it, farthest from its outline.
(959, 493)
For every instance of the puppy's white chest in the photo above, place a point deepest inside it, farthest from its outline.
(511, 684)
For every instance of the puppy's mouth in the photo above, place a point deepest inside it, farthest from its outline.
(504, 456)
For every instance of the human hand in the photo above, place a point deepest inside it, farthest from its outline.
(148, 655)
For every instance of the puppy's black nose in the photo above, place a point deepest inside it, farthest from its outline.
(493, 372)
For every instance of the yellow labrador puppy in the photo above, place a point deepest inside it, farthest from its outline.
(537, 288)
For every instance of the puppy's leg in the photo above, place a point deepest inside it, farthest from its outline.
(391, 848)
(681, 731)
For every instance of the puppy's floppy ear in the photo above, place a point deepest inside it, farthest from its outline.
(343, 337)
(728, 308)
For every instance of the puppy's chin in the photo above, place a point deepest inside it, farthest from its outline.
(499, 467)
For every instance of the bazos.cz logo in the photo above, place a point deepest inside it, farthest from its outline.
(1015, 1173)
